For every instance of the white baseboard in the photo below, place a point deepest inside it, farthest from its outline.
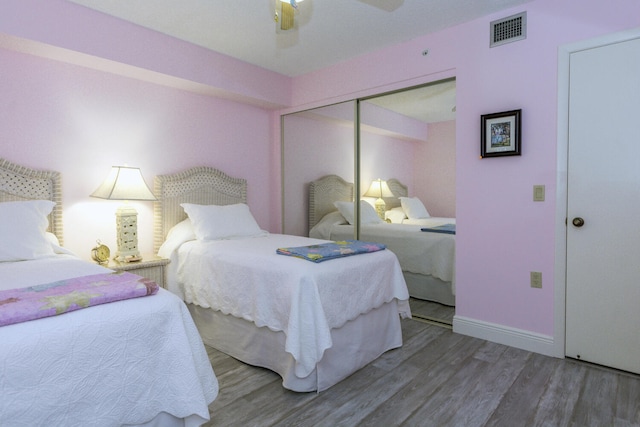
(526, 340)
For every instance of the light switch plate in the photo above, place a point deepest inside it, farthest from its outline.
(538, 193)
(536, 279)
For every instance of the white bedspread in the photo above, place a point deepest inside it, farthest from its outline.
(106, 365)
(247, 279)
(418, 251)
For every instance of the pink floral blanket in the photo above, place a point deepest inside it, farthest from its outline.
(51, 299)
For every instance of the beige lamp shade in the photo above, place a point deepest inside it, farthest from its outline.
(124, 183)
(379, 189)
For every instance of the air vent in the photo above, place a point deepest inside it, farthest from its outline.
(509, 29)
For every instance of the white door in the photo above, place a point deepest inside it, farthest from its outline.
(603, 230)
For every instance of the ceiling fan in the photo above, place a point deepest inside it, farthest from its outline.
(286, 9)
(284, 16)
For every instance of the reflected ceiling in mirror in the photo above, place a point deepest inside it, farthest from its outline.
(430, 104)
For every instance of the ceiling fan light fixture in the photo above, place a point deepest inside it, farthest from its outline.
(293, 3)
(284, 19)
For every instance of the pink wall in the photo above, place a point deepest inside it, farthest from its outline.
(83, 91)
(81, 121)
(502, 234)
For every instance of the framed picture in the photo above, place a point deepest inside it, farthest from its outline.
(500, 134)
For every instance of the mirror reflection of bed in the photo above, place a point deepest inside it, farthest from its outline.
(407, 134)
(424, 245)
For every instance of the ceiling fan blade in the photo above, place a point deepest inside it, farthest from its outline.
(387, 5)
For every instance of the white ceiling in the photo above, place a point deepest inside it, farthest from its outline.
(328, 31)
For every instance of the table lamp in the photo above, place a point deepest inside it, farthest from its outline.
(125, 183)
(379, 189)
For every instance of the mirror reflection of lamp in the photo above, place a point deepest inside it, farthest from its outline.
(125, 183)
(379, 189)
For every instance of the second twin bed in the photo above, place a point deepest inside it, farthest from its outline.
(312, 323)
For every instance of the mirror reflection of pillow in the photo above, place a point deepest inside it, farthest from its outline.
(413, 208)
(368, 214)
(395, 215)
(324, 227)
(346, 210)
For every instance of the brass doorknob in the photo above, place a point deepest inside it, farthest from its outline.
(577, 222)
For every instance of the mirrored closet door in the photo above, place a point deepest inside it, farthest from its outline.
(365, 154)
(315, 143)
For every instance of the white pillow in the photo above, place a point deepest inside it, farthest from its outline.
(180, 233)
(55, 244)
(23, 226)
(413, 208)
(213, 222)
(395, 215)
(368, 214)
(324, 227)
(346, 209)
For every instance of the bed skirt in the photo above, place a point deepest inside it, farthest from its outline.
(429, 288)
(355, 344)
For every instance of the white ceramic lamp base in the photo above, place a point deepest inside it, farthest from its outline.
(127, 226)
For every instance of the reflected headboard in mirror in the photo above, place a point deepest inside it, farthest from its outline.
(323, 193)
(399, 190)
(19, 183)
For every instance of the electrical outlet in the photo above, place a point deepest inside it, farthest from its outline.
(536, 279)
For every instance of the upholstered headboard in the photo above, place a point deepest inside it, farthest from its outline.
(22, 183)
(325, 191)
(200, 185)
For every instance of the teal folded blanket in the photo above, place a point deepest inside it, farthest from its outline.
(446, 228)
(331, 250)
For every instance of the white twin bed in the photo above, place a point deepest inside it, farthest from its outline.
(312, 323)
(427, 259)
(137, 361)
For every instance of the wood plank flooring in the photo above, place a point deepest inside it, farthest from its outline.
(433, 311)
(437, 378)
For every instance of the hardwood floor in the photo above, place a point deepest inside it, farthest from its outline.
(437, 378)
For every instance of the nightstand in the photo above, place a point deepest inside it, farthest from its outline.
(152, 267)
